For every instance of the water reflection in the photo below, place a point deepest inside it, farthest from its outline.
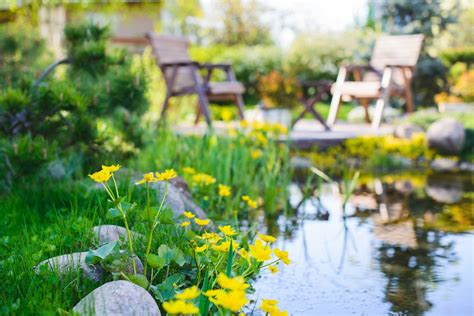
(399, 251)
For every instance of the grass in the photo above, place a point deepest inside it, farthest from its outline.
(43, 218)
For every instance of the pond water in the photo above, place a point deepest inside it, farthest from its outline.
(405, 248)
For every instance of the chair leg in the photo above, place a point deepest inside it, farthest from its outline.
(409, 100)
(240, 105)
(165, 106)
(365, 104)
(334, 108)
(204, 106)
(198, 113)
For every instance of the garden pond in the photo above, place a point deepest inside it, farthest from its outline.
(404, 246)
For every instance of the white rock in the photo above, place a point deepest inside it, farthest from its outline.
(446, 135)
(118, 298)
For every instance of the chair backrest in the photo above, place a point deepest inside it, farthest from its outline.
(401, 50)
(173, 49)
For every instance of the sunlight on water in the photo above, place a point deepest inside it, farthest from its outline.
(368, 264)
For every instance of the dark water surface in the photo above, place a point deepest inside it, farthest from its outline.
(407, 250)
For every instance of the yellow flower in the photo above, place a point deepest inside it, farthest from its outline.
(225, 246)
(147, 177)
(224, 190)
(188, 294)
(273, 269)
(212, 238)
(227, 230)
(184, 224)
(180, 307)
(260, 252)
(282, 255)
(202, 222)
(232, 300)
(189, 170)
(203, 179)
(237, 283)
(211, 293)
(267, 238)
(243, 253)
(111, 168)
(188, 215)
(200, 249)
(255, 154)
(244, 124)
(270, 307)
(100, 176)
(168, 174)
(251, 203)
(226, 115)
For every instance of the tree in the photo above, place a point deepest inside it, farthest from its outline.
(242, 23)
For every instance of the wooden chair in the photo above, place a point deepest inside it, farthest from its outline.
(182, 76)
(389, 72)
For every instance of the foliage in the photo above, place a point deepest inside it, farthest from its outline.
(242, 24)
(278, 90)
(458, 55)
(96, 108)
(429, 18)
(22, 52)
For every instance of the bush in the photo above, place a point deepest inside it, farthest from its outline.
(278, 90)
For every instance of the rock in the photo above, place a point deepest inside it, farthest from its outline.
(56, 169)
(466, 166)
(357, 114)
(300, 162)
(71, 262)
(178, 198)
(444, 189)
(118, 298)
(407, 130)
(108, 233)
(444, 164)
(404, 186)
(446, 135)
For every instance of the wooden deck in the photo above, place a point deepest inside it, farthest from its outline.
(305, 134)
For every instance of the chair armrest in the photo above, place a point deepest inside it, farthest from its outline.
(399, 66)
(315, 83)
(215, 65)
(179, 64)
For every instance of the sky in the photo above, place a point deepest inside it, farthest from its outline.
(307, 15)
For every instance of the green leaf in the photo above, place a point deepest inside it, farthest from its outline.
(148, 214)
(178, 257)
(166, 216)
(155, 261)
(139, 279)
(113, 213)
(229, 261)
(116, 261)
(203, 300)
(95, 256)
(166, 253)
(166, 290)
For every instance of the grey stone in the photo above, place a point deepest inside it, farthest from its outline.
(444, 189)
(300, 162)
(118, 298)
(444, 164)
(466, 166)
(446, 136)
(407, 130)
(109, 233)
(71, 262)
(404, 186)
(56, 169)
(178, 199)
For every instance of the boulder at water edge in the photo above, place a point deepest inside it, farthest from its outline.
(118, 298)
(446, 136)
